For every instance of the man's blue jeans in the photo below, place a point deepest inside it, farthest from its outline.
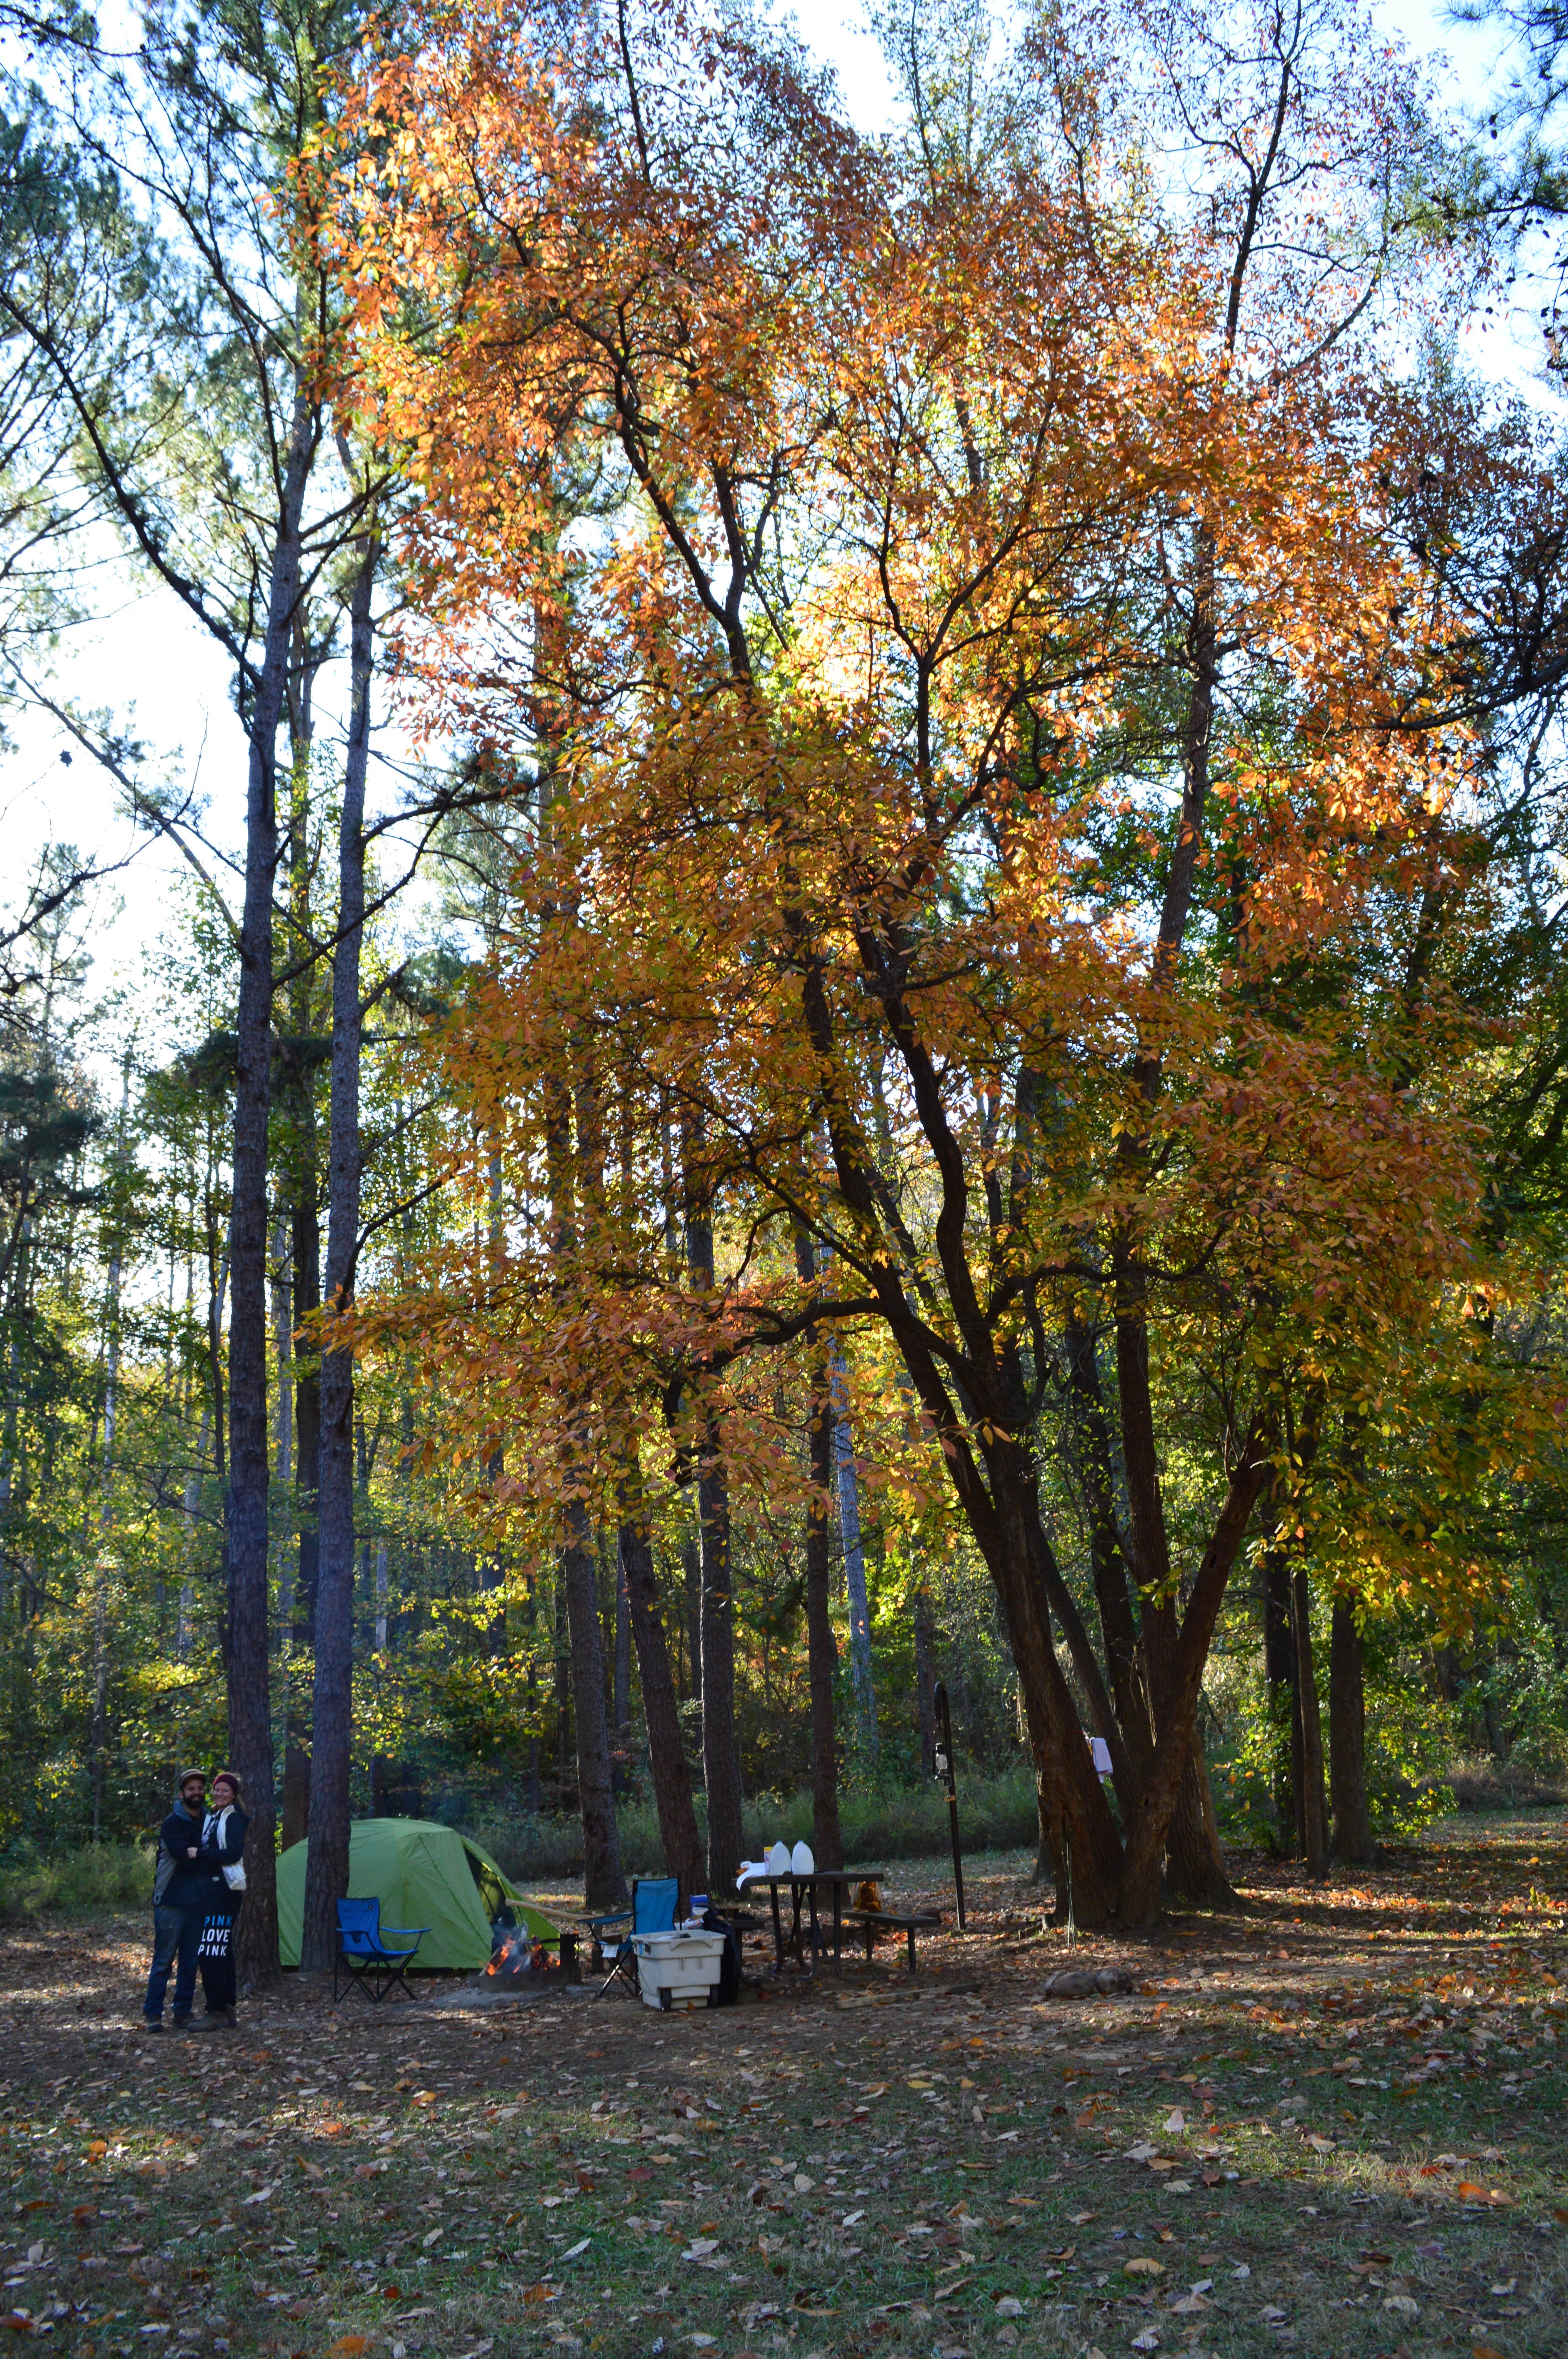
(177, 1933)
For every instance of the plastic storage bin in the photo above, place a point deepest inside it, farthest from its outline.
(677, 1970)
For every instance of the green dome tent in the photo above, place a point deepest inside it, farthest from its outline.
(422, 1873)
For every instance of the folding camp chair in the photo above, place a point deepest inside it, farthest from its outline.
(654, 1902)
(365, 1953)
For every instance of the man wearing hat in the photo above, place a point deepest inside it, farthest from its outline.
(182, 1893)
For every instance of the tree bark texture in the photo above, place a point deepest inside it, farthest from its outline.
(306, 1260)
(1315, 1845)
(604, 1882)
(1173, 1752)
(721, 1764)
(331, 1720)
(716, 1626)
(1279, 1674)
(821, 1651)
(622, 1676)
(245, 1508)
(1348, 1738)
(679, 1833)
(849, 1486)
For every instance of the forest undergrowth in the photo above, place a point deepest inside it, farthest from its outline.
(1331, 2120)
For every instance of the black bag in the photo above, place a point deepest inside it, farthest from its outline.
(726, 1990)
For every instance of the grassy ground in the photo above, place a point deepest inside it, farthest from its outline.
(1333, 2121)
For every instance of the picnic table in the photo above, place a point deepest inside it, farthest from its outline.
(832, 1882)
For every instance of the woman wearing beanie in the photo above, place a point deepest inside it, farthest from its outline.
(223, 1852)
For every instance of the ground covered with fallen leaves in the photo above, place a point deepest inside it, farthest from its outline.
(1334, 2120)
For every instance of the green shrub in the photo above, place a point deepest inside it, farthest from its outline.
(95, 1877)
(897, 1823)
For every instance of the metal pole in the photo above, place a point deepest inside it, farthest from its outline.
(945, 1771)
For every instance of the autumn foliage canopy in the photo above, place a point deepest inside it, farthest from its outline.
(963, 614)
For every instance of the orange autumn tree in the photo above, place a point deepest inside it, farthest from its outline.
(949, 612)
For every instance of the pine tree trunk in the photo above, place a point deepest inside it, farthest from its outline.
(679, 1833)
(604, 1883)
(1280, 1674)
(1348, 1738)
(622, 1678)
(306, 1256)
(720, 1766)
(1315, 1835)
(245, 1508)
(332, 1719)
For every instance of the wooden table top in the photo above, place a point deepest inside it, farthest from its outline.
(821, 1876)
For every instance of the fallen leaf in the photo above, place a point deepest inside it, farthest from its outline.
(349, 2346)
(1144, 2268)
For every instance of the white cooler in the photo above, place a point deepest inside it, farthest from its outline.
(677, 1970)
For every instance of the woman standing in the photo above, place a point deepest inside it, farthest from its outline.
(223, 1852)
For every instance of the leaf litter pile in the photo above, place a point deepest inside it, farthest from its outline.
(1334, 2122)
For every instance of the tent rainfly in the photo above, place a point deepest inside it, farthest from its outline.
(422, 1873)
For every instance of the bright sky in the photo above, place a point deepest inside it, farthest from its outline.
(155, 671)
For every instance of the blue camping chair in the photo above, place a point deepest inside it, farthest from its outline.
(365, 1952)
(655, 1901)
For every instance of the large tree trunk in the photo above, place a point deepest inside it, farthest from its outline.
(1119, 1628)
(716, 1630)
(1194, 1864)
(1314, 1845)
(679, 1833)
(306, 1257)
(331, 1720)
(1348, 1738)
(821, 1652)
(622, 1678)
(848, 1487)
(604, 1882)
(245, 1508)
(1172, 1750)
(1279, 1674)
(721, 1764)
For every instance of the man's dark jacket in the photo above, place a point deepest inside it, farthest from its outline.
(196, 1883)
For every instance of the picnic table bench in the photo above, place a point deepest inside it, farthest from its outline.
(909, 1922)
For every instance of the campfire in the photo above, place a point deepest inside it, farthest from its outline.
(520, 1960)
(518, 1957)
